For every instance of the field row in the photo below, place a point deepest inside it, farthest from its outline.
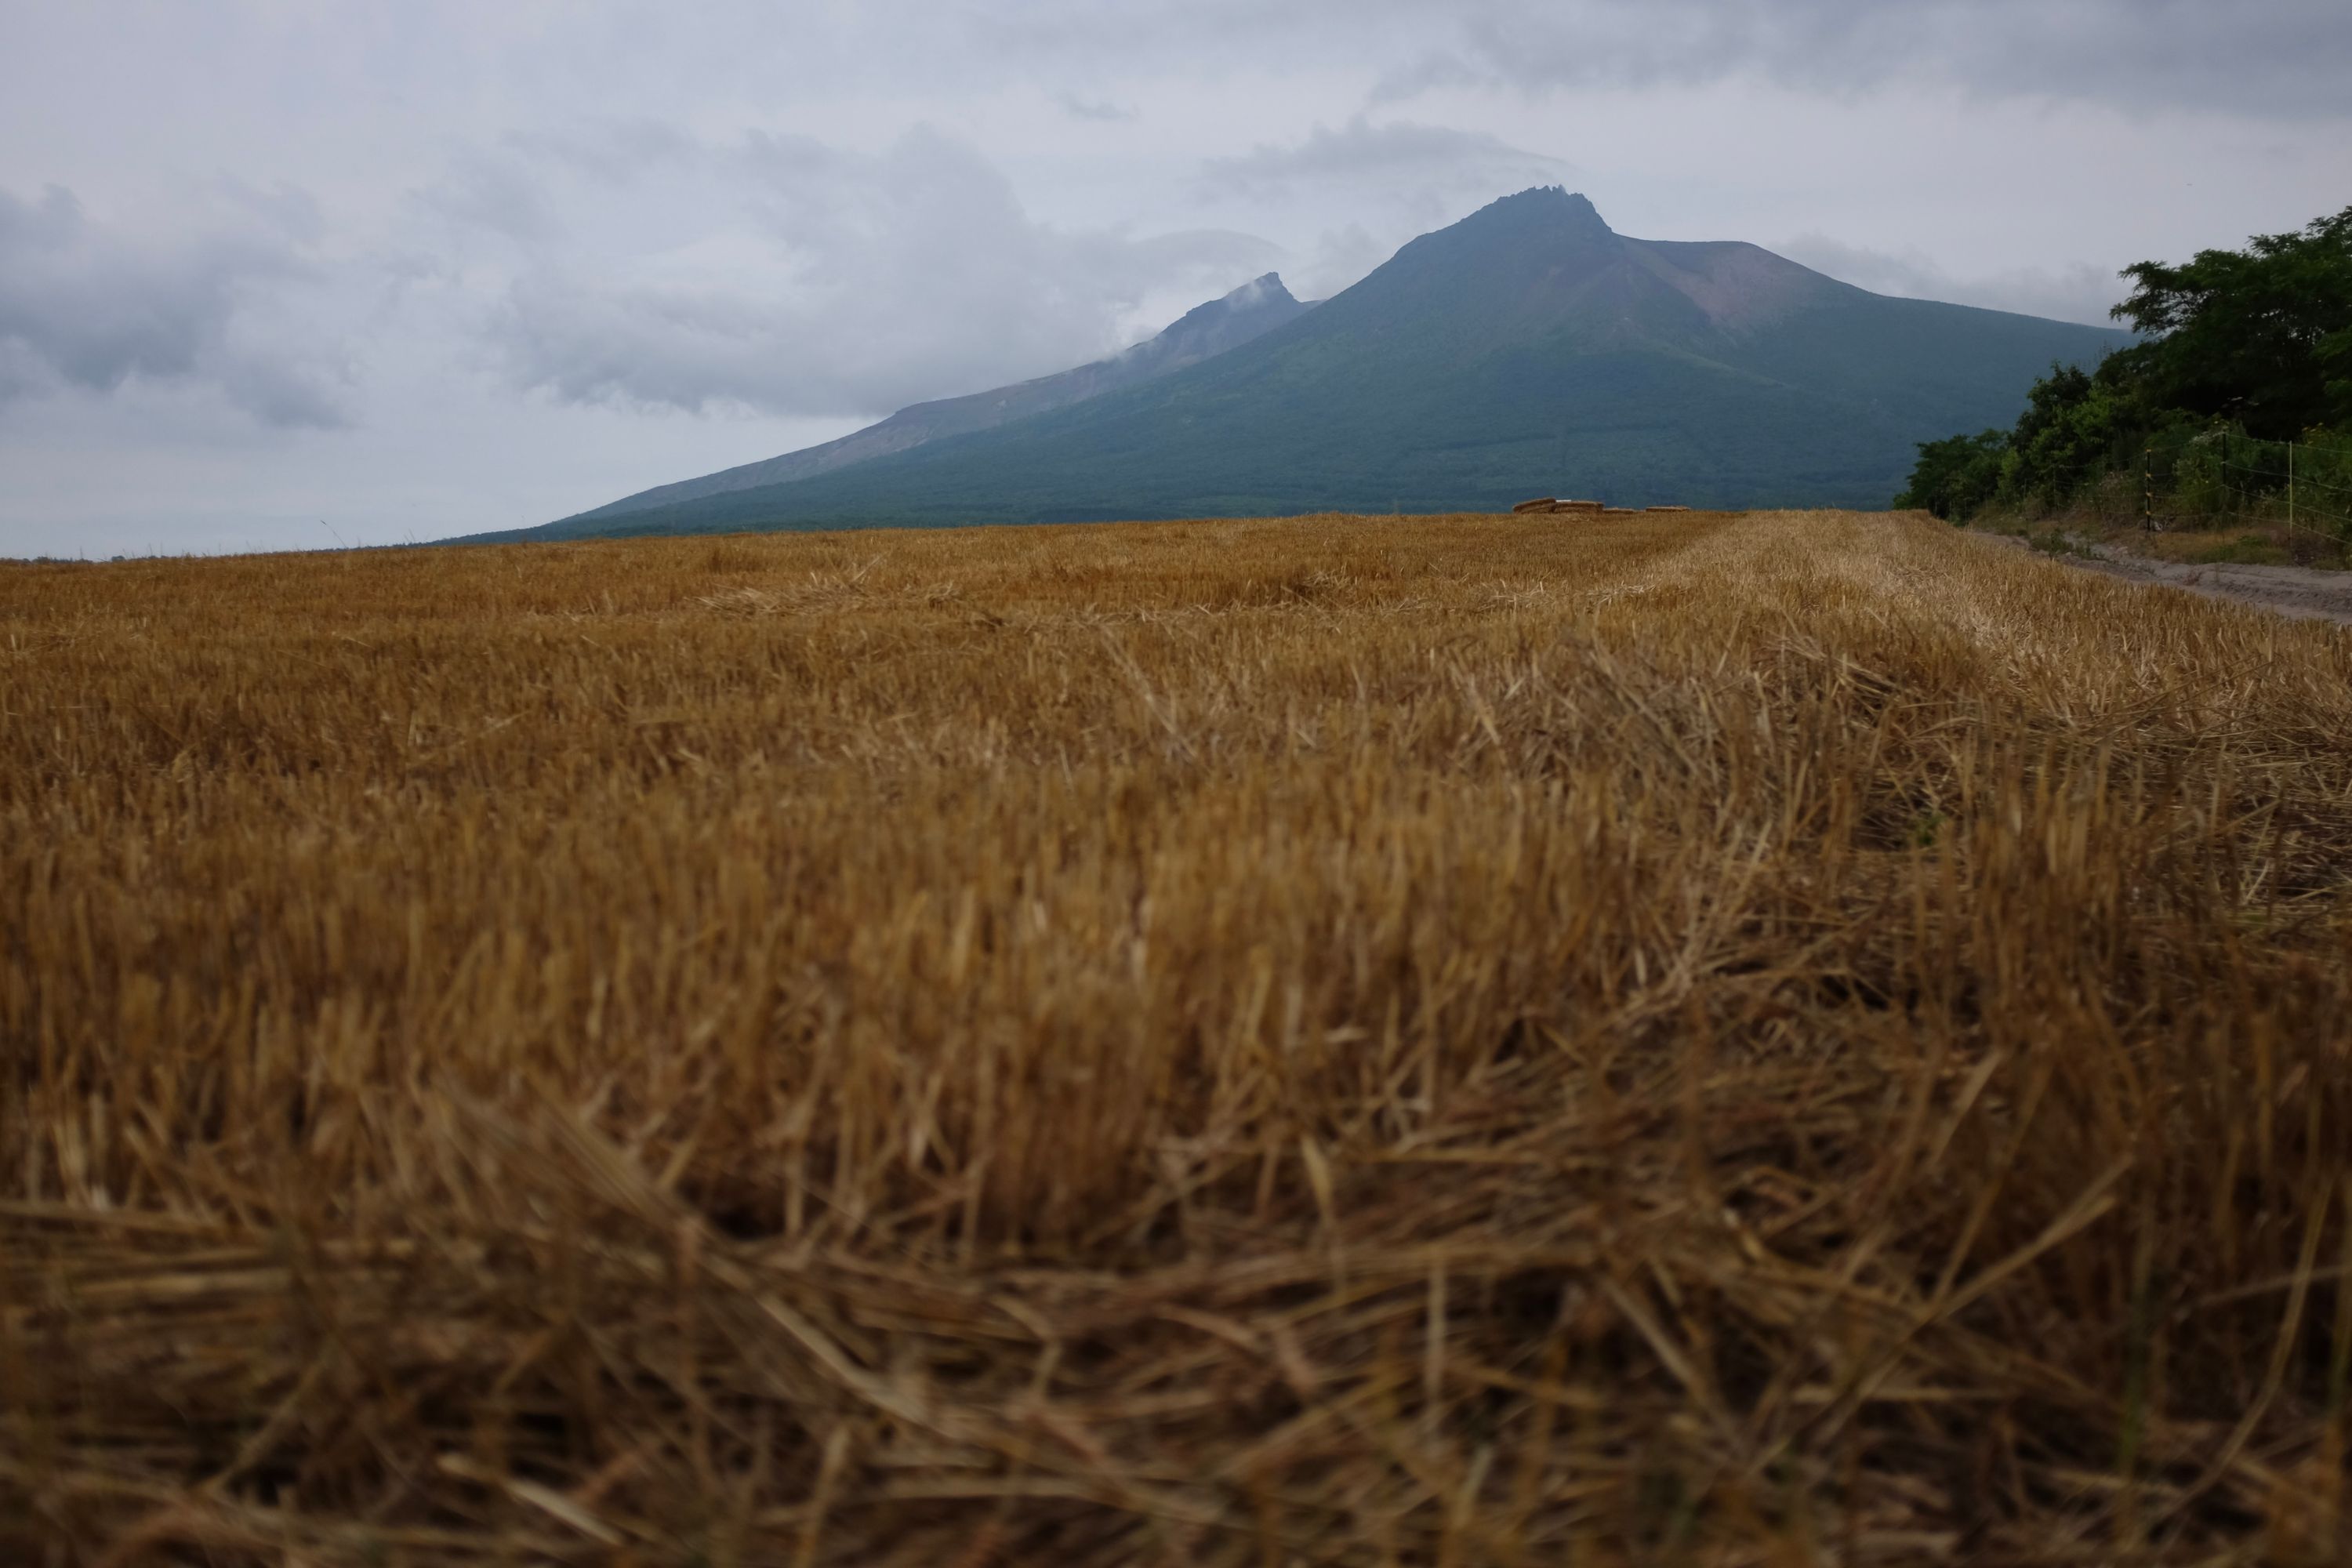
(1338, 1041)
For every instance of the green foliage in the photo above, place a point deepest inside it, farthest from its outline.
(2246, 550)
(2075, 427)
(1956, 476)
(2249, 346)
(2213, 474)
(2260, 337)
(2198, 476)
(2056, 541)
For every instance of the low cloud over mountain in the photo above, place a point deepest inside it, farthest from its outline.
(405, 264)
(1529, 349)
(818, 280)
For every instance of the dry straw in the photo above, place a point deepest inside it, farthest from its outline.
(1795, 1039)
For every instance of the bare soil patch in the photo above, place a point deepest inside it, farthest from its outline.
(2304, 591)
(2170, 560)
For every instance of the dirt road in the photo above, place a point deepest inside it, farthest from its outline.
(2300, 591)
(2290, 590)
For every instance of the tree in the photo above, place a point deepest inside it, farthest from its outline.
(2075, 426)
(2260, 337)
(2257, 340)
(1956, 477)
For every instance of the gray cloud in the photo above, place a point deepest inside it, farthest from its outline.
(1101, 110)
(1342, 255)
(491, 194)
(83, 306)
(614, 153)
(1360, 151)
(815, 280)
(2285, 59)
(2076, 293)
(2278, 59)
(1390, 179)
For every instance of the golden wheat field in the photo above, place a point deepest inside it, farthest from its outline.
(1775, 1039)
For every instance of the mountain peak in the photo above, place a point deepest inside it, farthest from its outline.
(1224, 322)
(1528, 349)
(1553, 209)
(1540, 229)
(1250, 311)
(1261, 293)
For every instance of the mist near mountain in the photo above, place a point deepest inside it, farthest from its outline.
(1529, 349)
(1206, 330)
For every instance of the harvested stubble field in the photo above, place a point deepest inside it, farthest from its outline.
(1772, 1039)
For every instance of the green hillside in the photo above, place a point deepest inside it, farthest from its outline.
(1526, 350)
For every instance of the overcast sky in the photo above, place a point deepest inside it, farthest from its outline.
(277, 274)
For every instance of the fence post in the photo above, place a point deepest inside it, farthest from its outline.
(2147, 489)
(2290, 484)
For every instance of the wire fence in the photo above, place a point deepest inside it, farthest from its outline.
(2219, 477)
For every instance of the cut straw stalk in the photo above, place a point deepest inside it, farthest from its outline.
(1213, 1042)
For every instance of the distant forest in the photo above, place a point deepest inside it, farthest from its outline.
(2253, 346)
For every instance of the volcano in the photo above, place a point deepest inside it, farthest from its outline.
(1529, 349)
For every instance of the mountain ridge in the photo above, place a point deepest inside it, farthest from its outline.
(1206, 329)
(1529, 349)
